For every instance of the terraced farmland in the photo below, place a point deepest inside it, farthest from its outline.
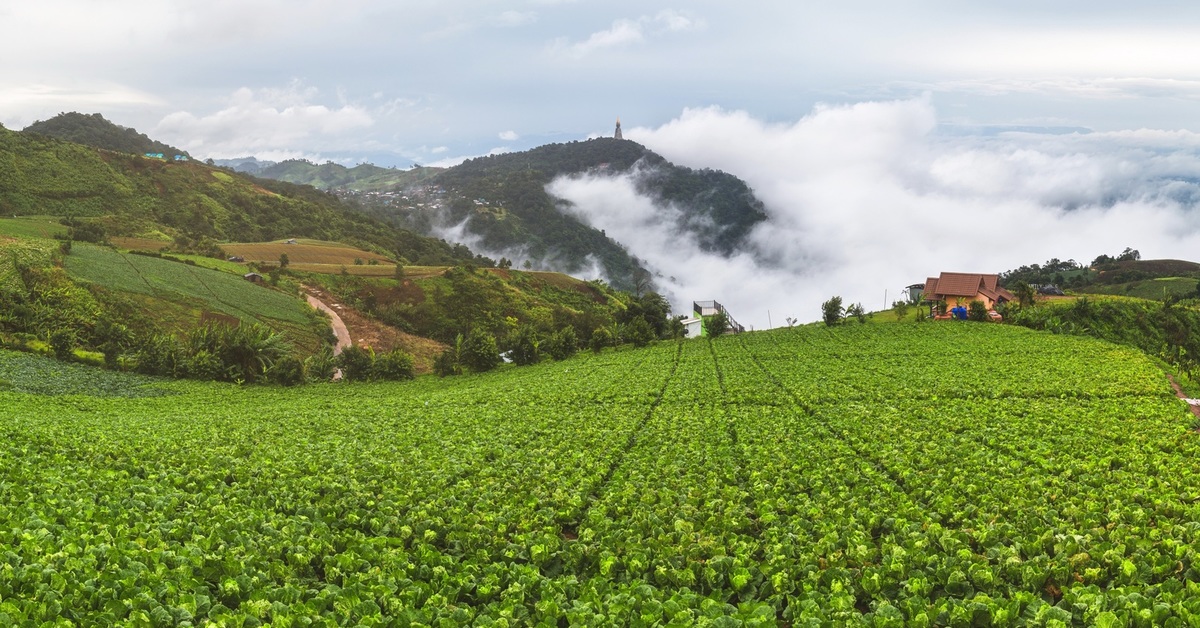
(303, 252)
(883, 475)
(216, 291)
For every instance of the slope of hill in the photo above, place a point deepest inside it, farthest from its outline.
(94, 130)
(858, 476)
(189, 203)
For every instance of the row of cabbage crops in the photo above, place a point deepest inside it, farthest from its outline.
(891, 475)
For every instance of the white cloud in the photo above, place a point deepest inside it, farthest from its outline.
(509, 136)
(869, 197)
(43, 101)
(516, 18)
(624, 32)
(264, 120)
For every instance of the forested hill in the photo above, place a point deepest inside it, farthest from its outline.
(95, 130)
(717, 207)
(500, 202)
(187, 203)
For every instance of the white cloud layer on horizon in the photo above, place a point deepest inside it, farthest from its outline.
(868, 198)
(262, 122)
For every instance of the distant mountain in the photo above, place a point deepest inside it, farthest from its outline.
(500, 203)
(249, 165)
(361, 178)
(118, 194)
(94, 130)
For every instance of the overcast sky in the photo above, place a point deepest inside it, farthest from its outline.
(888, 140)
(433, 80)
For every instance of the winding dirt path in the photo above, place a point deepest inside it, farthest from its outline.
(339, 327)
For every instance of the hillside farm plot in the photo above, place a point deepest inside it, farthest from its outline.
(15, 253)
(303, 252)
(212, 290)
(32, 227)
(880, 475)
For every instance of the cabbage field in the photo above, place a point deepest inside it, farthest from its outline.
(953, 474)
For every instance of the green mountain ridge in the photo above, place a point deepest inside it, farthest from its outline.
(95, 130)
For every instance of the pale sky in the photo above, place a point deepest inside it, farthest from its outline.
(888, 141)
(436, 80)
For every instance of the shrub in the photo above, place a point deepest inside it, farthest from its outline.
(639, 332)
(479, 351)
(717, 324)
(204, 365)
(356, 363)
(563, 344)
(62, 343)
(320, 366)
(393, 366)
(977, 311)
(832, 312)
(161, 354)
(526, 347)
(287, 371)
(857, 312)
(450, 362)
(601, 338)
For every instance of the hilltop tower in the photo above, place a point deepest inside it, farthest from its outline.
(617, 135)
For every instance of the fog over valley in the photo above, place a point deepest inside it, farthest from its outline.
(872, 197)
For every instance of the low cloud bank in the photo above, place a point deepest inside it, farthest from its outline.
(868, 198)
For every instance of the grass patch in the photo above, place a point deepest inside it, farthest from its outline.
(32, 227)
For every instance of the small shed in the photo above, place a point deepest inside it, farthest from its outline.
(253, 277)
(694, 327)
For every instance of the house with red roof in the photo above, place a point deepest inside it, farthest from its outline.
(962, 288)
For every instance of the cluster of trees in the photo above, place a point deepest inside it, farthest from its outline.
(1051, 272)
(1128, 255)
(645, 319)
(834, 313)
(245, 354)
(1072, 274)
